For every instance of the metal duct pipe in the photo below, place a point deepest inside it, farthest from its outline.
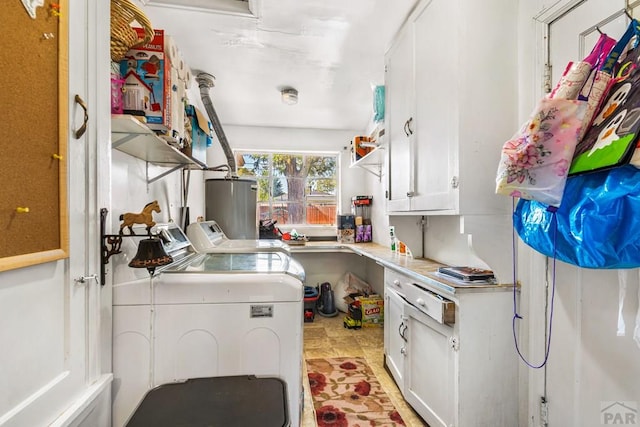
(205, 82)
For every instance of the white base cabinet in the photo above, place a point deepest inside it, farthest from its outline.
(429, 385)
(455, 371)
(394, 339)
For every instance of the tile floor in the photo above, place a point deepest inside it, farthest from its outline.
(326, 337)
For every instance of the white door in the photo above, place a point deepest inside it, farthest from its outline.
(571, 401)
(395, 325)
(50, 364)
(436, 106)
(430, 370)
(573, 34)
(399, 105)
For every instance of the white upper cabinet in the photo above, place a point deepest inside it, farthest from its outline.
(398, 110)
(451, 102)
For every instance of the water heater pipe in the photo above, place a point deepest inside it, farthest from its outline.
(205, 82)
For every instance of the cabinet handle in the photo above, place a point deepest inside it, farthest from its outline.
(401, 330)
(84, 279)
(454, 343)
(454, 182)
(82, 129)
(406, 125)
(403, 351)
(397, 283)
(409, 126)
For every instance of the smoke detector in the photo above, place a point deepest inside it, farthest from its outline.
(289, 96)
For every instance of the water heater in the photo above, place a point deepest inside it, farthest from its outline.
(232, 204)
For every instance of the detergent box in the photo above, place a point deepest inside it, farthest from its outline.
(146, 71)
(372, 310)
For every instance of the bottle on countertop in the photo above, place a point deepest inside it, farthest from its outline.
(392, 234)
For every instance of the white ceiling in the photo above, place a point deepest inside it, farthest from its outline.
(331, 51)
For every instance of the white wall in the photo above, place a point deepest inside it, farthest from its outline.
(589, 364)
(130, 193)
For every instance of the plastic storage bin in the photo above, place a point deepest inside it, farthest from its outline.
(310, 301)
(233, 401)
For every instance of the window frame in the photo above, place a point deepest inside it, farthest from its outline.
(305, 228)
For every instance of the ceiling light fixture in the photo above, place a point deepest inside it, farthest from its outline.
(289, 96)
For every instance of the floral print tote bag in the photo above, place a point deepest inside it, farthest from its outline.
(534, 163)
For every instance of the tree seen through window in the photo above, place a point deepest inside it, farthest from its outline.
(293, 188)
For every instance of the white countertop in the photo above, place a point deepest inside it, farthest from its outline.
(421, 269)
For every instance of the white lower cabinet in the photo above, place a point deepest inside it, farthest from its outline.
(429, 385)
(395, 326)
(450, 350)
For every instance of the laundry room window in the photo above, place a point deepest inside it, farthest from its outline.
(293, 188)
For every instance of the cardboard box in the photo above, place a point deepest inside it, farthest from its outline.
(364, 233)
(346, 235)
(346, 229)
(180, 81)
(146, 71)
(201, 134)
(372, 310)
(358, 149)
(346, 222)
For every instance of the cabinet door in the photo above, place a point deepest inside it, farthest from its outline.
(395, 325)
(399, 98)
(436, 106)
(430, 373)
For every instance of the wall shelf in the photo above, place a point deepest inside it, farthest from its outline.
(372, 162)
(135, 139)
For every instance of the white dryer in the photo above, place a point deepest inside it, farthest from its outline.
(209, 315)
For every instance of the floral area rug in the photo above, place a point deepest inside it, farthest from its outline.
(346, 394)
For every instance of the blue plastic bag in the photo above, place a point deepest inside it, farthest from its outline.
(378, 104)
(598, 222)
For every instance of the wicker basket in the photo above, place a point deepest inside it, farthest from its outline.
(123, 37)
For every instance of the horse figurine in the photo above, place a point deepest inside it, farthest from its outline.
(144, 217)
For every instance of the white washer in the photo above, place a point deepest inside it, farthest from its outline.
(207, 237)
(206, 315)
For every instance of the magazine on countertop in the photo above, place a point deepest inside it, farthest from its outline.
(470, 274)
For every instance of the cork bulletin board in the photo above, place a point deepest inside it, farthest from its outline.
(33, 155)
